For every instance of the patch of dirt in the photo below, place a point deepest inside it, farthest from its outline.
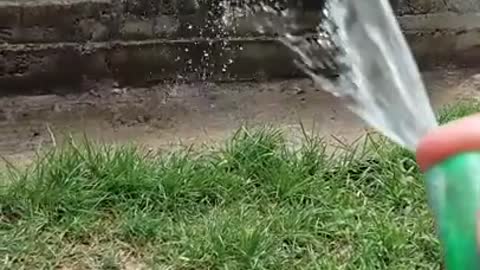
(167, 115)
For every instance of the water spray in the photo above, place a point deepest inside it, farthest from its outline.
(380, 81)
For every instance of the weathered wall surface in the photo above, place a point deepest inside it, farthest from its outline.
(50, 43)
(63, 42)
(437, 6)
(440, 30)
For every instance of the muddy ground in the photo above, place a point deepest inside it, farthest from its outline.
(165, 115)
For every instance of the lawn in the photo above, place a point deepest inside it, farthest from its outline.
(254, 203)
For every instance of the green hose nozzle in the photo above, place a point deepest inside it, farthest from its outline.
(453, 188)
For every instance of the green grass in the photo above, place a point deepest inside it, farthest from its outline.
(253, 204)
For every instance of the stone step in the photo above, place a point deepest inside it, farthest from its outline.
(39, 68)
(54, 20)
(48, 21)
(443, 22)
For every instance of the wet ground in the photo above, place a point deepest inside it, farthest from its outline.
(166, 115)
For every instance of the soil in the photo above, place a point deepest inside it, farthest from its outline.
(163, 116)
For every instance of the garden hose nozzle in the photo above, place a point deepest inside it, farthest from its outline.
(450, 158)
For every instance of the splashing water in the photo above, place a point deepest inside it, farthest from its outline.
(378, 77)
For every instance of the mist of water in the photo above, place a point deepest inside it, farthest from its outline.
(378, 77)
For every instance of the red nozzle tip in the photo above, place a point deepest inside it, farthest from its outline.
(453, 138)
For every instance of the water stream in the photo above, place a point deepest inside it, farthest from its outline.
(378, 78)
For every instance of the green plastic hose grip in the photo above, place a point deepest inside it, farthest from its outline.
(453, 188)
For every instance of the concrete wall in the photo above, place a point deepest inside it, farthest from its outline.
(442, 30)
(54, 43)
(419, 7)
(51, 43)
